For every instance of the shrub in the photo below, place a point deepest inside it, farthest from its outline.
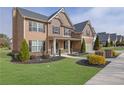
(24, 52)
(83, 47)
(97, 44)
(96, 59)
(114, 53)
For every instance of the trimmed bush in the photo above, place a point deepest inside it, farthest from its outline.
(24, 52)
(114, 53)
(111, 43)
(83, 47)
(107, 44)
(96, 59)
(97, 44)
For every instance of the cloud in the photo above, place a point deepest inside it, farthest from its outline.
(109, 20)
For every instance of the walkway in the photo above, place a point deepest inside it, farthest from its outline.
(112, 74)
(76, 57)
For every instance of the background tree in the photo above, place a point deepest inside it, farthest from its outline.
(24, 52)
(118, 43)
(111, 43)
(4, 40)
(107, 44)
(97, 44)
(83, 47)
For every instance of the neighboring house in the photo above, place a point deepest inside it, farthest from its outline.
(87, 33)
(54, 32)
(104, 37)
(119, 38)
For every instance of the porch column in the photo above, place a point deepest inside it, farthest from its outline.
(69, 49)
(54, 46)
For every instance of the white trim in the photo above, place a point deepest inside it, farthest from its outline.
(61, 10)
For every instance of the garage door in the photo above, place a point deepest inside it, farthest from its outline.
(89, 47)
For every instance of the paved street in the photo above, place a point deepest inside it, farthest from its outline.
(112, 74)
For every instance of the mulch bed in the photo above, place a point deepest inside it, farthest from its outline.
(85, 62)
(39, 60)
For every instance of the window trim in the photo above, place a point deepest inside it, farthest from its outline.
(68, 33)
(36, 45)
(34, 26)
(55, 31)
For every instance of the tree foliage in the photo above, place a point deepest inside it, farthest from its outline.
(83, 47)
(24, 52)
(97, 44)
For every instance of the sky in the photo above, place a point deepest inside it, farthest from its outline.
(110, 20)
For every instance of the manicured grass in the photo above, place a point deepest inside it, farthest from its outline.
(115, 48)
(64, 71)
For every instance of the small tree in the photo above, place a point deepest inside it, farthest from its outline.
(107, 44)
(111, 43)
(24, 51)
(83, 47)
(97, 44)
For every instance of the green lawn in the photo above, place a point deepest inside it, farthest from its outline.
(115, 48)
(65, 71)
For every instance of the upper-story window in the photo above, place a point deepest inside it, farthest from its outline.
(56, 30)
(67, 32)
(36, 26)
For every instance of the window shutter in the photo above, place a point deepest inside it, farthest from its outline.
(30, 45)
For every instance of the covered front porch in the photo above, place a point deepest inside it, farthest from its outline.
(64, 45)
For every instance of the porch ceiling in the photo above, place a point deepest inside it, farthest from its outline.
(64, 38)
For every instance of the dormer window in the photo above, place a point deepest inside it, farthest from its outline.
(36, 26)
(56, 30)
(67, 32)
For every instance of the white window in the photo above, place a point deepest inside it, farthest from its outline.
(67, 32)
(36, 26)
(56, 30)
(36, 45)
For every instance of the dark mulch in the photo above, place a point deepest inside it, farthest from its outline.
(85, 62)
(39, 60)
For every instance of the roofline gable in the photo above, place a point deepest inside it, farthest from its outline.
(59, 11)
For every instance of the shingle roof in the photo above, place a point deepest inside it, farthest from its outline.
(31, 14)
(103, 36)
(80, 26)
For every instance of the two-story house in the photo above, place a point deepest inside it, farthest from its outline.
(54, 32)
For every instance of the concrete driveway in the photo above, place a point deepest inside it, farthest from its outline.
(112, 74)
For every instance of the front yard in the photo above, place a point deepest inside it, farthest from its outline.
(64, 71)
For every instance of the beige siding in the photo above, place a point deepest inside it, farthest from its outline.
(34, 35)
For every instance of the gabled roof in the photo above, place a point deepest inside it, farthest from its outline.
(27, 13)
(54, 14)
(57, 12)
(80, 26)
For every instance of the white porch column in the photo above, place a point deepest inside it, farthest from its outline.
(69, 49)
(54, 46)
